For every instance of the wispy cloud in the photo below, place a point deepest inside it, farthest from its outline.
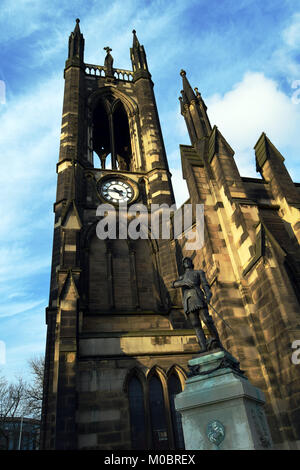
(21, 263)
(28, 148)
(14, 308)
(291, 34)
(284, 59)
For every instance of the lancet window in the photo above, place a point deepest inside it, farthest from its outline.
(110, 139)
(154, 421)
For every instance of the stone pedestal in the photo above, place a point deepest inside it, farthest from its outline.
(220, 408)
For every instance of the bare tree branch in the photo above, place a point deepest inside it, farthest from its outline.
(20, 399)
(12, 405)
(34, 391)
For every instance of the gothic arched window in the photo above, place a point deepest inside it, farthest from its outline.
(101, 134)
(154, 421)
(174, 387)
(110, 134)
(122, 137)
(158, 415)
(137, 414)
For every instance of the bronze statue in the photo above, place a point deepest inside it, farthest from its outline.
(195, 300)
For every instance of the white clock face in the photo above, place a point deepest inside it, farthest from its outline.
(116, 191)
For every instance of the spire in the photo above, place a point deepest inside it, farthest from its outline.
(77, 28)
(194, 109)
(76, 44)
(265, 150)
(138, 59)
(190, 95)
(270, 164)
(135, 39)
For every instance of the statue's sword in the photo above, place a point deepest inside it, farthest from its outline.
(219, 315)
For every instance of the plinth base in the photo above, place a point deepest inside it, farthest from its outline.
(220, 408)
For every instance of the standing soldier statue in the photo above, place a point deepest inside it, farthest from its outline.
(195, 301)
(108, 62)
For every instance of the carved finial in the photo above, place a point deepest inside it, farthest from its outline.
(197, 92)
(181, 104)
(107, 49)
(76, 43)
(184, 100)
(135, 39)
(77, 27)
(188, 91)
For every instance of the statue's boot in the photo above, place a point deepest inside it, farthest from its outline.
(201, 339)
(215, 335)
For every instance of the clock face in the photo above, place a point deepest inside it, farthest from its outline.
(116, 190)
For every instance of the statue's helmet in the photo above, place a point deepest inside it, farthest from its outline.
(187, 262)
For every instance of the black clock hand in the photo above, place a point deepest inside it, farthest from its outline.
(118, 191)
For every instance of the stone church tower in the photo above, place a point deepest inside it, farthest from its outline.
(117, 342)
(117, 339)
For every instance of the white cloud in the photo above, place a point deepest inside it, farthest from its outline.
(179, 186)
(253, 106)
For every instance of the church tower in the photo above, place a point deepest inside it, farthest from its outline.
(117, 341)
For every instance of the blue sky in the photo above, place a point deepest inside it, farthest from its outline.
(244, 56)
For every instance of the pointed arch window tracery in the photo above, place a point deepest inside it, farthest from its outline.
(137, 413)
(175, 387)
(159, 428)
(154, 421)
(109, 134)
